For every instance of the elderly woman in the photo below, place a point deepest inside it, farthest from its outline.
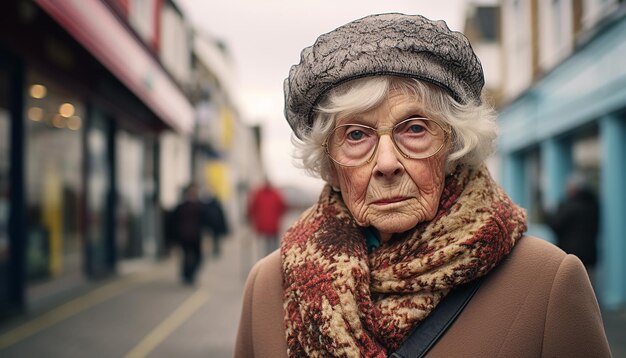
(388, 111)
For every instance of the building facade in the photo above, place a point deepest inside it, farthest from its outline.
(482, 28)
(96, 132)
(224, 151)
(564, 111)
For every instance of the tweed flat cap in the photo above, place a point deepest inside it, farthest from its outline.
(383, 44)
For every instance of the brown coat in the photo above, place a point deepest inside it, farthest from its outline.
(537, 303)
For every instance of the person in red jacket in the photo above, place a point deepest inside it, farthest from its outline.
(265, 211)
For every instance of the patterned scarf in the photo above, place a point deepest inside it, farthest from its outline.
(341, 301)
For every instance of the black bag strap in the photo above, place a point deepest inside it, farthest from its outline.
(426, 334)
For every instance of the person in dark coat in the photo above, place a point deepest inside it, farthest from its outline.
(216, 222)
(576, 220)
(190, 216)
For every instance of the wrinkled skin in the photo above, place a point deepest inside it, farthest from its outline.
(391, 193)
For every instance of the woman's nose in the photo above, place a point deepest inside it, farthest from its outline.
(387, 161)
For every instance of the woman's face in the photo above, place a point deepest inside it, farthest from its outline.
(391, 193)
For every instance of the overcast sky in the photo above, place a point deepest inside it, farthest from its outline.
(265, 38)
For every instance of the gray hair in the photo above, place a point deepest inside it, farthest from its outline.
(473, 124)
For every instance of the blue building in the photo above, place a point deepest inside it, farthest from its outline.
(565, 111)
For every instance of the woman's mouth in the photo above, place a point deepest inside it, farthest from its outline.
(388, 201)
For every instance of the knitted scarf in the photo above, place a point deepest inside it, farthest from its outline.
(342, 301)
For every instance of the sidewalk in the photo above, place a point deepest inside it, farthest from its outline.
(144, 312)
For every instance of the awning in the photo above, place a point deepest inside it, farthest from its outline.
(101, 32)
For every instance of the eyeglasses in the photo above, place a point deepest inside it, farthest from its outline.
(352, 145)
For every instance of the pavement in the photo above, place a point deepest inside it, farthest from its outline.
(143, 312)
(146, 311)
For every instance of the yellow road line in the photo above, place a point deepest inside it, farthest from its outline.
(70, 309)
(169, 325)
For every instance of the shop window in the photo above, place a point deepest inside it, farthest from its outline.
(130, 203)
(97, 225)
(54, 125)
(486, 23)
(136, 224)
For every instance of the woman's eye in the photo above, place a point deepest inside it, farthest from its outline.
(355, 135)
(416, 128)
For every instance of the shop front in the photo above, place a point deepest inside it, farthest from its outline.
(54, 183)
(78, 143)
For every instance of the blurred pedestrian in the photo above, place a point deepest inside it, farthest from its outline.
(265, 210)
(216, 223)
(188, 222)
(575, 222)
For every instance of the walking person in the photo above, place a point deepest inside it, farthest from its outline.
(265, 210)
(189, 220)
(216, 222)
(411, 231)
(576, 221)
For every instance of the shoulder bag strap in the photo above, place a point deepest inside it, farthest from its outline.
(426, 334)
